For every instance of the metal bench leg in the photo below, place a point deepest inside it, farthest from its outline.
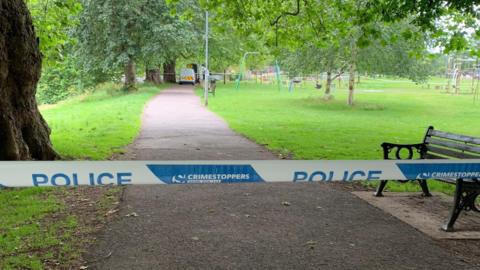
(424, 186)
(380, 188)
(458, 205)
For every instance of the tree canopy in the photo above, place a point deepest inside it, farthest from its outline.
(331, 35)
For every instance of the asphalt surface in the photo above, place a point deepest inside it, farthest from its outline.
(246, 226)
(175, 126)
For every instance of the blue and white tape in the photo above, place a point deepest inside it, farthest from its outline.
(97, 173)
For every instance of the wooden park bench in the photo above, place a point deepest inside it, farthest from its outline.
(442, 145)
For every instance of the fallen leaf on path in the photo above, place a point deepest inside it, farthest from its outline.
(111, 212)
(311, 244)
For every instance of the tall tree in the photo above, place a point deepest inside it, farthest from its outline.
(117, 34)
(401, 51)
(311, 59)
(110, 36)
(24, 135)
(169, 34)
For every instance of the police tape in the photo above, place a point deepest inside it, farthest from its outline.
(74, 173)
(98, 173)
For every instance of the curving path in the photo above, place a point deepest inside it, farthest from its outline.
(246, 226)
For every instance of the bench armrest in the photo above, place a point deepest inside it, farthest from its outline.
(394, 148)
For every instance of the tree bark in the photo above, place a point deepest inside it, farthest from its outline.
(24, 134)
(328, 87)
(130, 75)
(169, 72)
(351, 77)
(153, 75)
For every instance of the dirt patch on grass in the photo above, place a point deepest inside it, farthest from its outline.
(86, 211)
(351, 186)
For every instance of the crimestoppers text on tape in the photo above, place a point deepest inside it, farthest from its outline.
(98, 173)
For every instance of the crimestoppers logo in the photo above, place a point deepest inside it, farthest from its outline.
(204, 174)
(439, 171)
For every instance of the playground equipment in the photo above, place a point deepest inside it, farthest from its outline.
(277, 71)
(278, 76)
(242, 68)
(458, 69)
(476, 87)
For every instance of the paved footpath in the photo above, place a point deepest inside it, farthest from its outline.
(246, 226)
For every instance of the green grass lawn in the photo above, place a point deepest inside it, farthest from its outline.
(39, 230)
(36, 231)
(302, 125)
(21, 228)
(99, 124)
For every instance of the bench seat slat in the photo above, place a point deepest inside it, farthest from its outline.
(451, 153)
(451, 144)
(452, 136)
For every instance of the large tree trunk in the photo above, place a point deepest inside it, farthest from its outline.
(152, 75)
(130, 75)
(169, 72)
(24, 135)
(328, 87)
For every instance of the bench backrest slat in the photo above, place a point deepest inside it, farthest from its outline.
(451, 153)
(433, 156)
(452, 136)
(452, 144)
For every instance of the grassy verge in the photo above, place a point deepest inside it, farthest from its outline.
(99, 124)
(42, 228)
(22, 231)
(300, 124)
(49, 228)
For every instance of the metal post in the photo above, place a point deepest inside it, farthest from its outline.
(206, 82)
